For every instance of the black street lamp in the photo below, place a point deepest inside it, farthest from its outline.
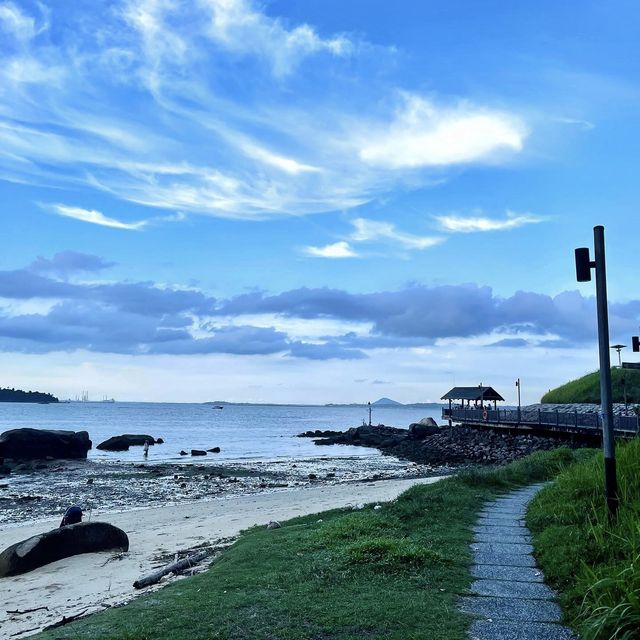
(583, 274)
(519, 406)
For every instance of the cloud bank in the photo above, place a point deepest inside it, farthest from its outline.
(146, 318)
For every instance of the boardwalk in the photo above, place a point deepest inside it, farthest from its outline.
(540, 420)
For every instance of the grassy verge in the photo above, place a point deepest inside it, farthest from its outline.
(595, 565)
(393, 572)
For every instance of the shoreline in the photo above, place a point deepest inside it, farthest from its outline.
(92, 582)
(40, 491)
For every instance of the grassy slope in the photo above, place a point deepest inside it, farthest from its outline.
(587, 388)
(392, 573)
(595, 566)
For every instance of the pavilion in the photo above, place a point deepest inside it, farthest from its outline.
(478, 395)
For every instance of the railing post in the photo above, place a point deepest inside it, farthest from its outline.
(557, 418)
(576, 412)
(539, 417)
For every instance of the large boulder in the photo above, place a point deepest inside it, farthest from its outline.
(123, 442)
(33, 444)
(71, 540)
(423, 429)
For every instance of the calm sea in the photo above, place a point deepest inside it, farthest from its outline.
(242, 432)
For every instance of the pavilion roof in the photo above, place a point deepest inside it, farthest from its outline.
(472, 393)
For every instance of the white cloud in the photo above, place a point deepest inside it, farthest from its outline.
(96, 217)
(337, 250)
(462, 224)
(423, 135)
(12, 20)
(288, 165)
(238, 27)
(371, 230)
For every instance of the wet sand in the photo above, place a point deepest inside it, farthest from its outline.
(91, 582)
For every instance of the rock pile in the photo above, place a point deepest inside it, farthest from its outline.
(619, 408)
(442, 445)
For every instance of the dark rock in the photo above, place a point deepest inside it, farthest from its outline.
(319, 434)
(71, 540)
(123, 442)
(35, 444)
(159, 441)
(183, 453)
(312, 476)
(198, 452)
(419, 431)
(214, 450)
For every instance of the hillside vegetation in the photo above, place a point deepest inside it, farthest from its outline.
(587, 388)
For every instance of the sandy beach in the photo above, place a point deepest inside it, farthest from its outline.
(91, 582)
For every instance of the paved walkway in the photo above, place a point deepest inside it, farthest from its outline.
(510, 599)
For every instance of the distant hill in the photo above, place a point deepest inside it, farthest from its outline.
(386, 402)
(16, 395)
(587, 388)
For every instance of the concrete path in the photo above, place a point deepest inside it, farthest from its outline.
(510, 599)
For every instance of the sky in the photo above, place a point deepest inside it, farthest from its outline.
(313, 201)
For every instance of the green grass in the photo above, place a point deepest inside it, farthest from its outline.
(587, 388)
(594, 564)
(393, 573)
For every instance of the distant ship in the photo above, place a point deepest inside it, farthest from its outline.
(105, 399)
(217, 406)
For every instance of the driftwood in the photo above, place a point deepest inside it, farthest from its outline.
(174, 567)
(65, 620)
(18, 612)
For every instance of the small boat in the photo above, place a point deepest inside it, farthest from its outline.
(217, 406)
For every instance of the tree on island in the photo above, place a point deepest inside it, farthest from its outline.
(17, 395)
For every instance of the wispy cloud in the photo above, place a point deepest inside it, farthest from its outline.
(340, 249)
(372, 230)
(237, 26)
(166, 124)
(96, 217)
(472, 224)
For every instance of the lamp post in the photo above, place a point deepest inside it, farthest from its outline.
(618, 348)
(519, 406)
(583, 274)
(369, 403)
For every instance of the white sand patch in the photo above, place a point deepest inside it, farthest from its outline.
(90, 581)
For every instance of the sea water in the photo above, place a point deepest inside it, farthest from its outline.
(243, 432)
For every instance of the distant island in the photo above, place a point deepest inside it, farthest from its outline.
(381, 403)
(17, 395)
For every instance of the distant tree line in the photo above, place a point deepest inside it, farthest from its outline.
(17, 395)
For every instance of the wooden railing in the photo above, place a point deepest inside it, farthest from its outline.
(559, 420)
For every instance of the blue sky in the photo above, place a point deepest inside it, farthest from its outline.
(312, 201)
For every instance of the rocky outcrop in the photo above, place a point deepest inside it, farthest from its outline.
(380, 437)
(71, 540)
(457, 444)
(34, 444)
(123, 442)
(318, 433)
(198, 452)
